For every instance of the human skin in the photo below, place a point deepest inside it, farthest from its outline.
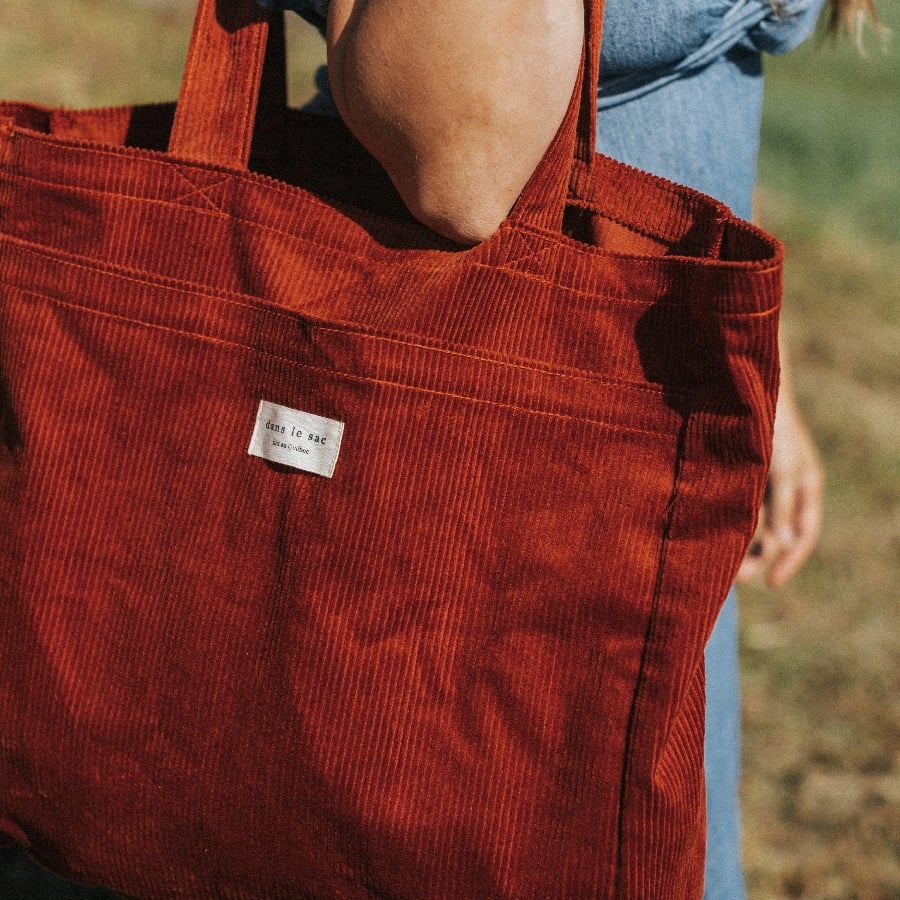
(458, 101)
(791, 517)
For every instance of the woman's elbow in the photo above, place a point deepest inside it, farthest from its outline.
(463, 209)
(458, 101)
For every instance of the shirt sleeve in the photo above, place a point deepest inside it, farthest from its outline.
(788, 24)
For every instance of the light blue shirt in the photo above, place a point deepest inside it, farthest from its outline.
(696, 68)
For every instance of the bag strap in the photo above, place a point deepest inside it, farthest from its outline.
(216, 112)
(542, 203)
(217, 106)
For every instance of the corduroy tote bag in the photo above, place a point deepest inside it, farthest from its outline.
(340, 561)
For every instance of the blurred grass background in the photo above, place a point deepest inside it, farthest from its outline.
(821, 658)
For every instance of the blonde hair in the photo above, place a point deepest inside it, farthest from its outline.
(850, 16)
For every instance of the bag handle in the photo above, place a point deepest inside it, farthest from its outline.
(217, 106)
(543, 200)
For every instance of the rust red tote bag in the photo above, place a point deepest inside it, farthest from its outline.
(337, 560)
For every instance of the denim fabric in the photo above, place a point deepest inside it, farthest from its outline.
(704, 127)
(705, 119)
(651, 36)
(722, 756)
(648, 35)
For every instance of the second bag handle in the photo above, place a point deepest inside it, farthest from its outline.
(224, 74)
(217, 108)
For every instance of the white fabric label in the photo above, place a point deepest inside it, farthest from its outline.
(297, 439)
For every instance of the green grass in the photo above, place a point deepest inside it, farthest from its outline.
(81, 53)
(821, 658)
(831, 131)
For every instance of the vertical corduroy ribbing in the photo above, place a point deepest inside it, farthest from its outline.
(468, 664)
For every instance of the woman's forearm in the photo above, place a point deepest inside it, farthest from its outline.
(458, 100)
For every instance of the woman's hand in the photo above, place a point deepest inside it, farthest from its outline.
(458, 101)
(791, 517)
